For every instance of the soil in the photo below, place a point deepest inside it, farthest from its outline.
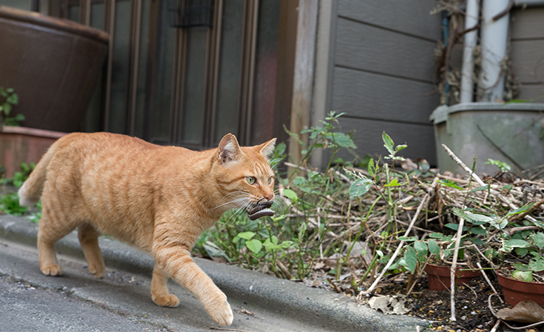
(471, 301)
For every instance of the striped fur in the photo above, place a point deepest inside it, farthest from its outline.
(159, 199)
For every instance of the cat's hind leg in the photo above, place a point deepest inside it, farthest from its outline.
(49, 232)
(159, 289)
(88, 238)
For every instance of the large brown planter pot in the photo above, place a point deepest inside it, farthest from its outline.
(515, 291)
(439, 277)
(20, 144)
(53, 65)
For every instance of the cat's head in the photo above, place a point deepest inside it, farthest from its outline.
(244, 176)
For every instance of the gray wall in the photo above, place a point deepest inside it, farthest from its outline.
(527, 51)
(382, 73)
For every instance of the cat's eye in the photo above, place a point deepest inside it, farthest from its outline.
(250, 179)
(270, 180)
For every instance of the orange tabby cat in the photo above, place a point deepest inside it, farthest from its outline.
(159, 199)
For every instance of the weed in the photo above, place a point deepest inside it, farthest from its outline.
(9, 204)
(8, 99)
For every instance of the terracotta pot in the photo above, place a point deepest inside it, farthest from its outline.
(20, 144)
(439, 276)
(52, 64)
(515, 291)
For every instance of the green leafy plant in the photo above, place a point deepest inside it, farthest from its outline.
(503, 167)
(9, 99)
(9, 204)
(19, 177)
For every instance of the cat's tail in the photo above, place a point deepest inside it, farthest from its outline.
(31, 190)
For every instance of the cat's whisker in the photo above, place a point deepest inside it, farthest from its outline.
(231, 202)
(234, 193)
(239, 211)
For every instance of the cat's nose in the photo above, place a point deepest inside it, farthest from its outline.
(269, 197)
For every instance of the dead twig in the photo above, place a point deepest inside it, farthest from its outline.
(494, 192)
(392, 259)
(488, 281)
(284, 270)
(336, 288)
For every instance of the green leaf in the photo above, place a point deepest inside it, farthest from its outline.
(408, 239)
(473, 217)
(421, 249)
(389, 144)
(433, 247)
(482, 188)
(501, 165)
(394, 183)
(450, 184)
(7, 108)
(286, 244)
(455, 227)
(526, 276)
(537, 263)
(420, 246)
(410, 258)
(269, 245)
(371, 167)
(514, 243)
(436, 235)
(521, 267)
(476, 241)
(517, 243)
(290, 194)
(13, 99)
(359, 187)
(400, 147)
(538, 240)
(214, 251)
(343, 140)
(246, 235)
(521, 252)
(254, 245)
(478, 231)
(522, 209)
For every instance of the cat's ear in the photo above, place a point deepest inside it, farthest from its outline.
(266, 149)
(228, 150)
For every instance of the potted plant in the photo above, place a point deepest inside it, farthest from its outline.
(515, 248)
(434, 257)
(19, 144)
(522, 277)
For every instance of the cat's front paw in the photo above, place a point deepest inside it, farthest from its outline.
(169, 300)
(52, 270)
(220, 311)
(98, 271)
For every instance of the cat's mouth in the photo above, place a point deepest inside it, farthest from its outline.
(259, 210)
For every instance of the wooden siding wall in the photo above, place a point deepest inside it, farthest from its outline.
(383, 73)
(527, 51)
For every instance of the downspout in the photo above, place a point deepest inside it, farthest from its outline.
(445, 37)
(471, 20)
(494, 41)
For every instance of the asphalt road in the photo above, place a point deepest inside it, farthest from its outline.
(121, 301)
(27, 308)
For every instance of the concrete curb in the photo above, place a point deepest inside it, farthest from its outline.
(312, 306)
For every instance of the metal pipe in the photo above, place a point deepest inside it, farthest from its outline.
(471, 20)
(494, 40)
(529, 3)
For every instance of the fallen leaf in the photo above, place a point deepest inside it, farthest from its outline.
(318, 265)
(389, 305)
(527, 312)
(408, 164)
(332, 260)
